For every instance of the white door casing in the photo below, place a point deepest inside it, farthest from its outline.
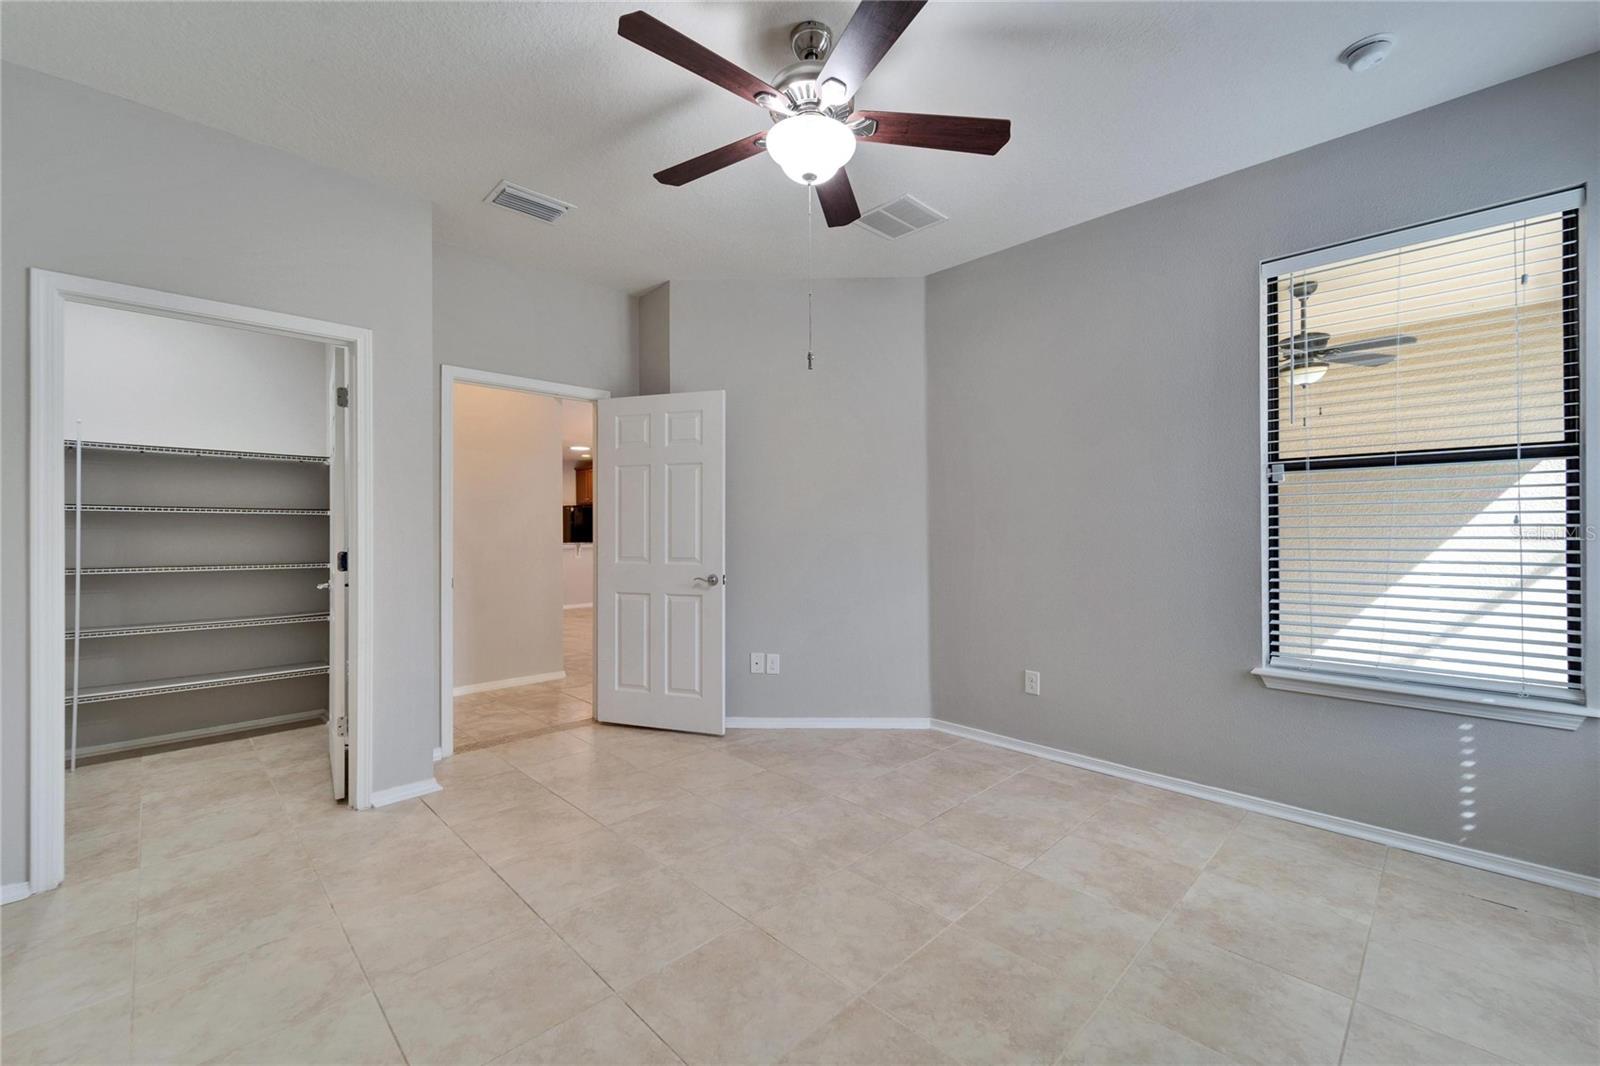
(338, 580)
(660, 563)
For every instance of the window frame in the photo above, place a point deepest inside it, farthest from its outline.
(1377, 686)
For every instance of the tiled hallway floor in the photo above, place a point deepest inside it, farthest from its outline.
(487, 718)
(609, 895)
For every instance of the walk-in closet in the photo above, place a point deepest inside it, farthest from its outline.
(205, 582)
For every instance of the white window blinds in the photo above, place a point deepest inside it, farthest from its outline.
(1423, 501)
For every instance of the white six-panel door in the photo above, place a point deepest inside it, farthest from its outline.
(659, 562)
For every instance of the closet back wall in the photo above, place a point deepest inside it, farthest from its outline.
(146, 379)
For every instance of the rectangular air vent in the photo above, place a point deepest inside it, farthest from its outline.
(899, 217)
(538, 205)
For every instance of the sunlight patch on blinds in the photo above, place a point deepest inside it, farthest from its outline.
(1423, 484)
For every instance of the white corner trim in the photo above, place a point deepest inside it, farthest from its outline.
(400, 793)
(1482, 860)
(1552, 714)
(15, 891)
(828, 723)
(438, 753)
(510, 682)
(575, 606)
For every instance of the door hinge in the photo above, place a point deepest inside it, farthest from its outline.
(344, 725)
(344, 562)
(341, 396)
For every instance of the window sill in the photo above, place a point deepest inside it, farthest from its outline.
(1551, 714)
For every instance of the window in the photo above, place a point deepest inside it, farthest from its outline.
(1422, 489)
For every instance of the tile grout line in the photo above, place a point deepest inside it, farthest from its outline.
(366, 976)
(1361, 970)
(1160, 924)
(1257, 962)
(138, 895)
(1112, 987)
(610, 988)
(338, 918)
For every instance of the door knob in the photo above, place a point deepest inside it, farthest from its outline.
(710, 579)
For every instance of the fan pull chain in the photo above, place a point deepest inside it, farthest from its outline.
(811, 284)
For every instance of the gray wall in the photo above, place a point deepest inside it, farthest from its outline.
(492, 315)
(827, 489)
(653, 336)
(98, 186)
(1092, 439)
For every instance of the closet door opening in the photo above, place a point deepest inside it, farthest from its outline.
(205, 596)
(200, 573)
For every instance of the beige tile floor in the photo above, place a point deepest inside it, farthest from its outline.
(486, 718)
(615, 896)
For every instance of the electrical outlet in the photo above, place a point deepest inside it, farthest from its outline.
(758, 663)
(1030, 682)
(772, 662)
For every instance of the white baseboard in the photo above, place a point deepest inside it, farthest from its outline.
(509, 682)
(198, 734)
(1438, 849)
(438, 753)
(829, 723)
(575, 606)
(400, 793)
(13, 892)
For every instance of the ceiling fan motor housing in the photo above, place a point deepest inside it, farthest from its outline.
(811, 42)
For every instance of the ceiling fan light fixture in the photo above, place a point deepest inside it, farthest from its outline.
(811, 147)
(1307, 371)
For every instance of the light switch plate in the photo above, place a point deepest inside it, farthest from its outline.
(772, 662)
(758, 663)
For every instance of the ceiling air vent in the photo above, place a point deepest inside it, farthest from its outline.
(899, 217)
(516, 198)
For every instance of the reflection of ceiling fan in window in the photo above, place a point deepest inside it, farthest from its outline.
(1309, 354)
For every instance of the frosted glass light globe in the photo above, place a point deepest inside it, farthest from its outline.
(811, 147)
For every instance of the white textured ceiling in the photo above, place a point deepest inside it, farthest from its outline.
(1111, 104)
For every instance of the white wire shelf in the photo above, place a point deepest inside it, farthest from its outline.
(202, 453)
(92, 571)
(135, 689)
(128, 508)
(251, 622)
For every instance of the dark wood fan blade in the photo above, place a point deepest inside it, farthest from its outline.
(666, 42)
(712, 161)
(838, 200)
(872, 31)
(949, 133)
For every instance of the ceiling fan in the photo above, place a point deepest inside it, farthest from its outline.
(1309, 355)
(812, 103)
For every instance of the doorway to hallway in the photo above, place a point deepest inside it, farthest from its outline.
(517, 558)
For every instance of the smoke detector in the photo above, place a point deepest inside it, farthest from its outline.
(1367, 52)
(546, 209)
